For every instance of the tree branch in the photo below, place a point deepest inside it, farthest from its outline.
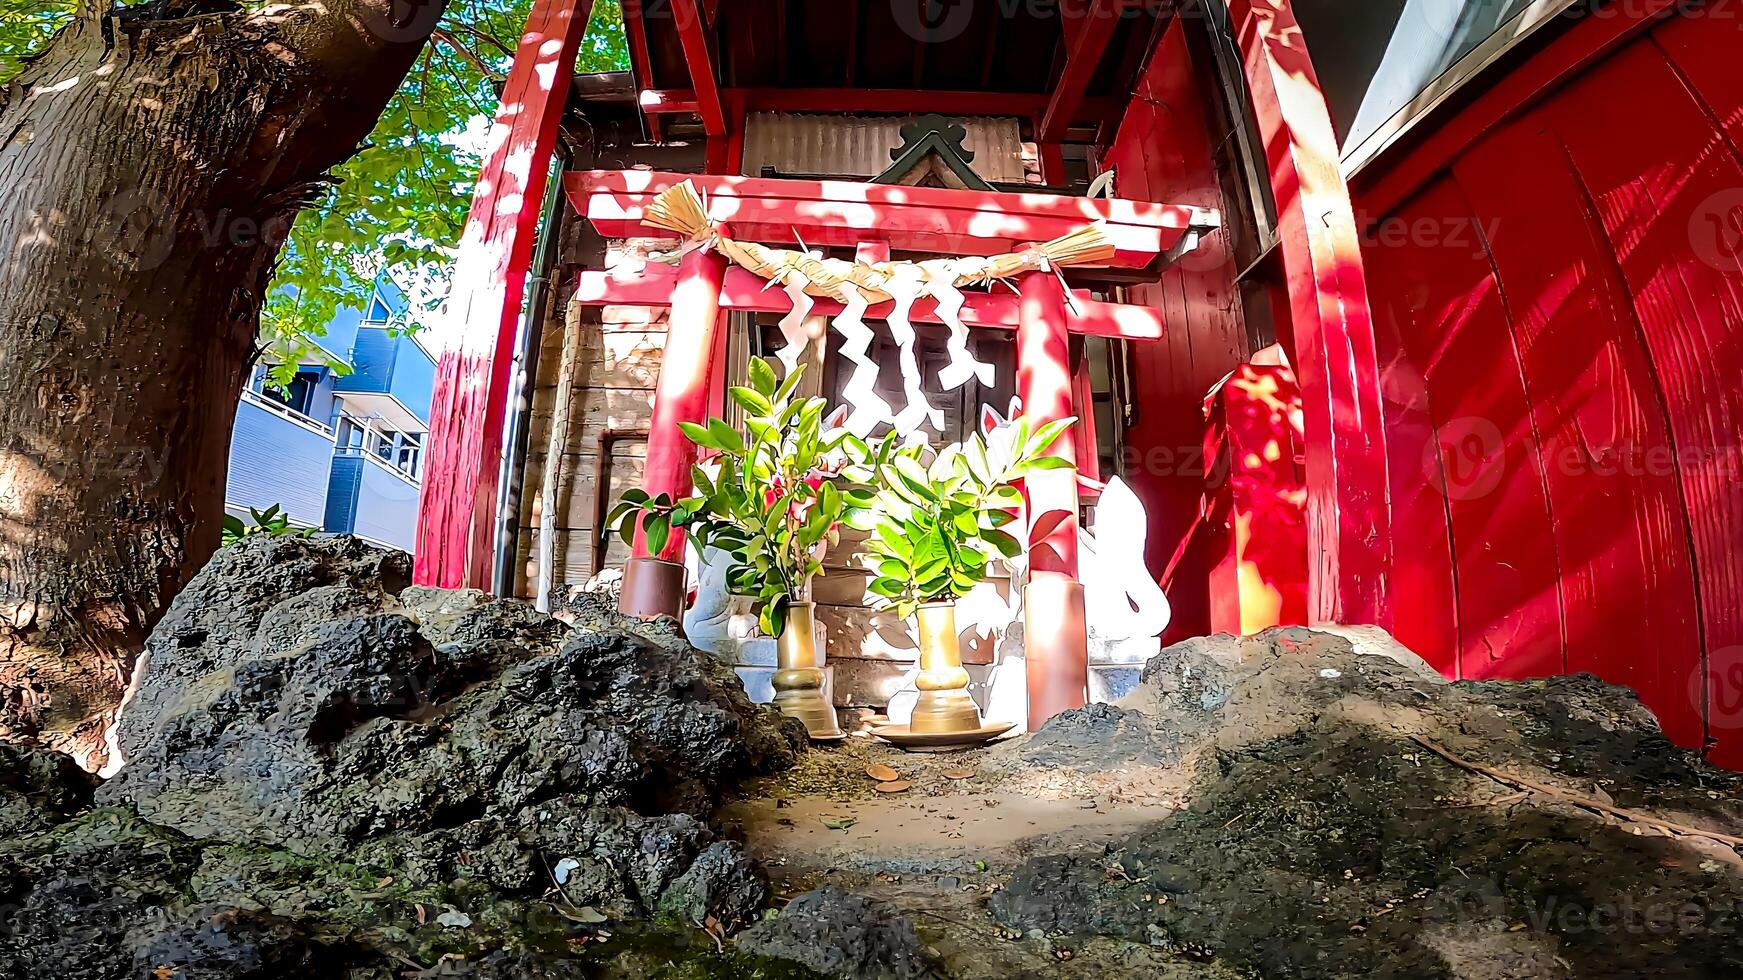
(447, 38)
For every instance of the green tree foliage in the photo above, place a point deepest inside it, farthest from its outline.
(400, 204)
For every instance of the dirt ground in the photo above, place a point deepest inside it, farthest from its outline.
(1299, 804)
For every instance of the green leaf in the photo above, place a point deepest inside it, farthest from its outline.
(888, 587)
(763, 432)
(1046, 436)
(762, 379)
(750, 400)
(699, 435)
(1006, 545)
(773, 618)
(1050, 463)
(725, 436)
(658, 530)
(785, 391)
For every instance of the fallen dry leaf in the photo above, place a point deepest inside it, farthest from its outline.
(882, 773)
(839, 823)
(894, 786)
(958, 773)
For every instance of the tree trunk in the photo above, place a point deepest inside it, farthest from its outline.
(150, 166)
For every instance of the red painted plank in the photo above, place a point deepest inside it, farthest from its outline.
(1349, 529)
(1627, 584)
(1426, 600)
(1706, 58)
(456, 519)
(914, 218)
(1459, 337)
(1657, 193)
(744, 290)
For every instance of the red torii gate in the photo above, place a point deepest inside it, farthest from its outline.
(1332, 336)
(885, 218)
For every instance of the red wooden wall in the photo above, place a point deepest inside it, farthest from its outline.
(1163, 152)
(1559, 312)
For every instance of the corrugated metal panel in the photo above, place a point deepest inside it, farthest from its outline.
(342, 494)
(274, 460)
(368, 501)
(859, 146)
(387, 363)
(387, 508)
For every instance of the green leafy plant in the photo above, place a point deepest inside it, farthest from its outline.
(401, 202)
(936, 528)
(270, 521)
(775, 499)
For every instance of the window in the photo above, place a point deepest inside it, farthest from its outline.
(299, 396)
(378, 311)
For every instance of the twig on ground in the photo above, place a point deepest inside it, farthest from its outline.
(1576, 799)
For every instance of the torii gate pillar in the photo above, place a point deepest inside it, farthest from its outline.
(653, 585)
(456, 537)
(1055, 637)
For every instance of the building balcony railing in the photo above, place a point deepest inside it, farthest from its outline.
(284, 411)
(278, 457)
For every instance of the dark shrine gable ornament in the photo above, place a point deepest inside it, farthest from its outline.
(932, 155)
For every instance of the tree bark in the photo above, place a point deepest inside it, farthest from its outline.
(150, 166)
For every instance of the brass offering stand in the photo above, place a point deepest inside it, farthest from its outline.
(798, 679)
(945, 716)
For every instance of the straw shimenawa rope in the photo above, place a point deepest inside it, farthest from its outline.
(680, 209)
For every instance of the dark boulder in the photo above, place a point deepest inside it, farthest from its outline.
(1323, 834)
(839, 934)
(328, 769)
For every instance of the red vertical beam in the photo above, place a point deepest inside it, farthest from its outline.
(1051, 157)
(1260, 576)
(1349, 527)
(1086, 41)
(1083, 434)
(694, 35)
(456, 519)
(1055, 643)
(653, 585)
(641, 62)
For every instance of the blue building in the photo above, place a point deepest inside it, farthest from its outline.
(341, 451)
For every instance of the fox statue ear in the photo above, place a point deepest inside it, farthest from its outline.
(834, 419)
(989, 420)
(1016, 407)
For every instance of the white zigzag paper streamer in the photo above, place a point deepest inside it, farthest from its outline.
(793, 324)
(963, 364)
(860, 392)
(904, 289)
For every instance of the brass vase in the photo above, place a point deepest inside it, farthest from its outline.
(798, 679)
(944, 706)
